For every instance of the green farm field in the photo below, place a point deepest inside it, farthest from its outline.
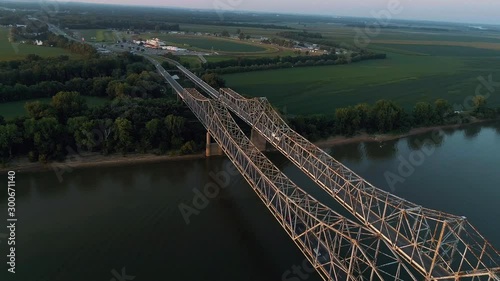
(405, 79)
(18, 51)
(14, 109)
(100, 35)
(421, 66)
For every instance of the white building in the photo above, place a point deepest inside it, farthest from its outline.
(39, 42)
(174, 49)
(154, 43)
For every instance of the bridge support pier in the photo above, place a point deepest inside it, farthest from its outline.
(258, 140)
(212, 149)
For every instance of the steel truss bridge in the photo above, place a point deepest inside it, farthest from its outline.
(392, 239)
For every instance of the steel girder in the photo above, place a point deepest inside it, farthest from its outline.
(338, 248)
(441, 246)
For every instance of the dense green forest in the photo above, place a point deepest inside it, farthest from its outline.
(123, 75)
(141, 115)
(52, 131)
(388, 117)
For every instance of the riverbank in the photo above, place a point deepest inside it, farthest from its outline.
(89, 160)
(364, 137)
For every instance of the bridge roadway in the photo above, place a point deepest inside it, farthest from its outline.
(338, 248)
(431, 241)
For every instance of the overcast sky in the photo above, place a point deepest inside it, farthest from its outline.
(468, 11)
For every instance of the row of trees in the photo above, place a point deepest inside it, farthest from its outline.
(66, 125)
(299, 36)
(246, 62)
(386, 116)
(34, 77)
(280, 42)
(243, 64)
(73, 46)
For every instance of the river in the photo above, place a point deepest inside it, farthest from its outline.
(101, 223)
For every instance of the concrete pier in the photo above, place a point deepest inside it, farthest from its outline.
(212, 149)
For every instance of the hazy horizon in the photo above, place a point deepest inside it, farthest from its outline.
(467, 11)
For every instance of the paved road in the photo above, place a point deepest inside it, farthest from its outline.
(202, 58)
(56, 30)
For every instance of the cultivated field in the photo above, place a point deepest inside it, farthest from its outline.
(17, 51)
(100, 35)
(417, 69)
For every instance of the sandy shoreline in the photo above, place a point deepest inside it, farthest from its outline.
(94, 160)
(364, 137)
(97, 160)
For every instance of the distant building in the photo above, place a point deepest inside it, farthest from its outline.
(39, 42)
(154, 43)
(173, 48)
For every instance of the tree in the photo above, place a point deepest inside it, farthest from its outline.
(188, 147)
(43, 134)
(175, 126)
(345, 121)
(81, 128)
(479, 103)
(123, 135)
(386, 116)
(152, 137)
(241, 36)
(214, 80)
(363, 113)
(238, 31)
(424, 114)
(68, 104)
(9, 135)
(225, 33)
(442, 109)
(38, 110)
